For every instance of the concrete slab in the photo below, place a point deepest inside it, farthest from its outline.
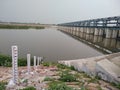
(108, 71)
(105, 66)
(116, 60)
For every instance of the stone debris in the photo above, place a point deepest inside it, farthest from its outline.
(35, 78)
(92, 86)
(91, 66)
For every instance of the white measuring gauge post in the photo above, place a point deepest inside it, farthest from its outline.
(38, 61)
(15, 64)
(35, 63)
(28, 63)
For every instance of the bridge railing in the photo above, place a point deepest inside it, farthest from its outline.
(109, 22)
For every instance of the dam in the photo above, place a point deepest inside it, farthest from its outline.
(102, 33)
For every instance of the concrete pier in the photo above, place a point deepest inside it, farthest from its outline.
(108, 33)
(118, 33)
(107, 42)
(96, 31)
(81, 29)
(95, 39)
(114, 33)
(77, 33)
(100, 32)
(88, 30)
(84, 30)
(91, 30)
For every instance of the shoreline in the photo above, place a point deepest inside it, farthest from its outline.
(20, 26)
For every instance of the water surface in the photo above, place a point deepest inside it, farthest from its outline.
(50, 43)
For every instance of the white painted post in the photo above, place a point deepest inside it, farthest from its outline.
(28, 63)
(15, 64)
(38, 61)
(34, 62)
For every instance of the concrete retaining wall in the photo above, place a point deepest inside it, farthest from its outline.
(107, 66)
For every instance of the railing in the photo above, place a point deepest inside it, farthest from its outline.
(109, 22)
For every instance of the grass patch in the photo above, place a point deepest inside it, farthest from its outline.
(67, 77)
(72, 68)
(2, 85)
(58, 86)
(93, 80)
(20, 27)
(46, 64)
(83, 88)
(7, 61)
(61, 66)
(116, 85)
(48, 79)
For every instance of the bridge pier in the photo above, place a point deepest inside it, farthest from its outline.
(100, 38)
(81, 29)
(118, 45)
(73, 31)
(96, 32)
(118, 33)
(88, 30)
(108, 33)
(70, 30)
(107, 42)
(91, 37)
(78, 31)
(91, 30)
(111, 33)
(100, 32)
(84, 30)
(114, 33)
(113, 43)
(87, 37)
(95, 39)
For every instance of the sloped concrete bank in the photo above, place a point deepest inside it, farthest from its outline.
(106, 66)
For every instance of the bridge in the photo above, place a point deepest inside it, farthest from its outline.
(108, 27)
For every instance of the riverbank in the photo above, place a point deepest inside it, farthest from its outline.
(20, 26)
(53, 76)
(70, 75)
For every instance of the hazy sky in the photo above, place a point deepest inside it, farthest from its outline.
(57, 11)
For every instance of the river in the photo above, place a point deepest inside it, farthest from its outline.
(50, 43)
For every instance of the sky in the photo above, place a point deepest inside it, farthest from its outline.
(56, 11)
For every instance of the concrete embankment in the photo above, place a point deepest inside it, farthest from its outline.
(107, 66)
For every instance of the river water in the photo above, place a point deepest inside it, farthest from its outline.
(52, 44)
